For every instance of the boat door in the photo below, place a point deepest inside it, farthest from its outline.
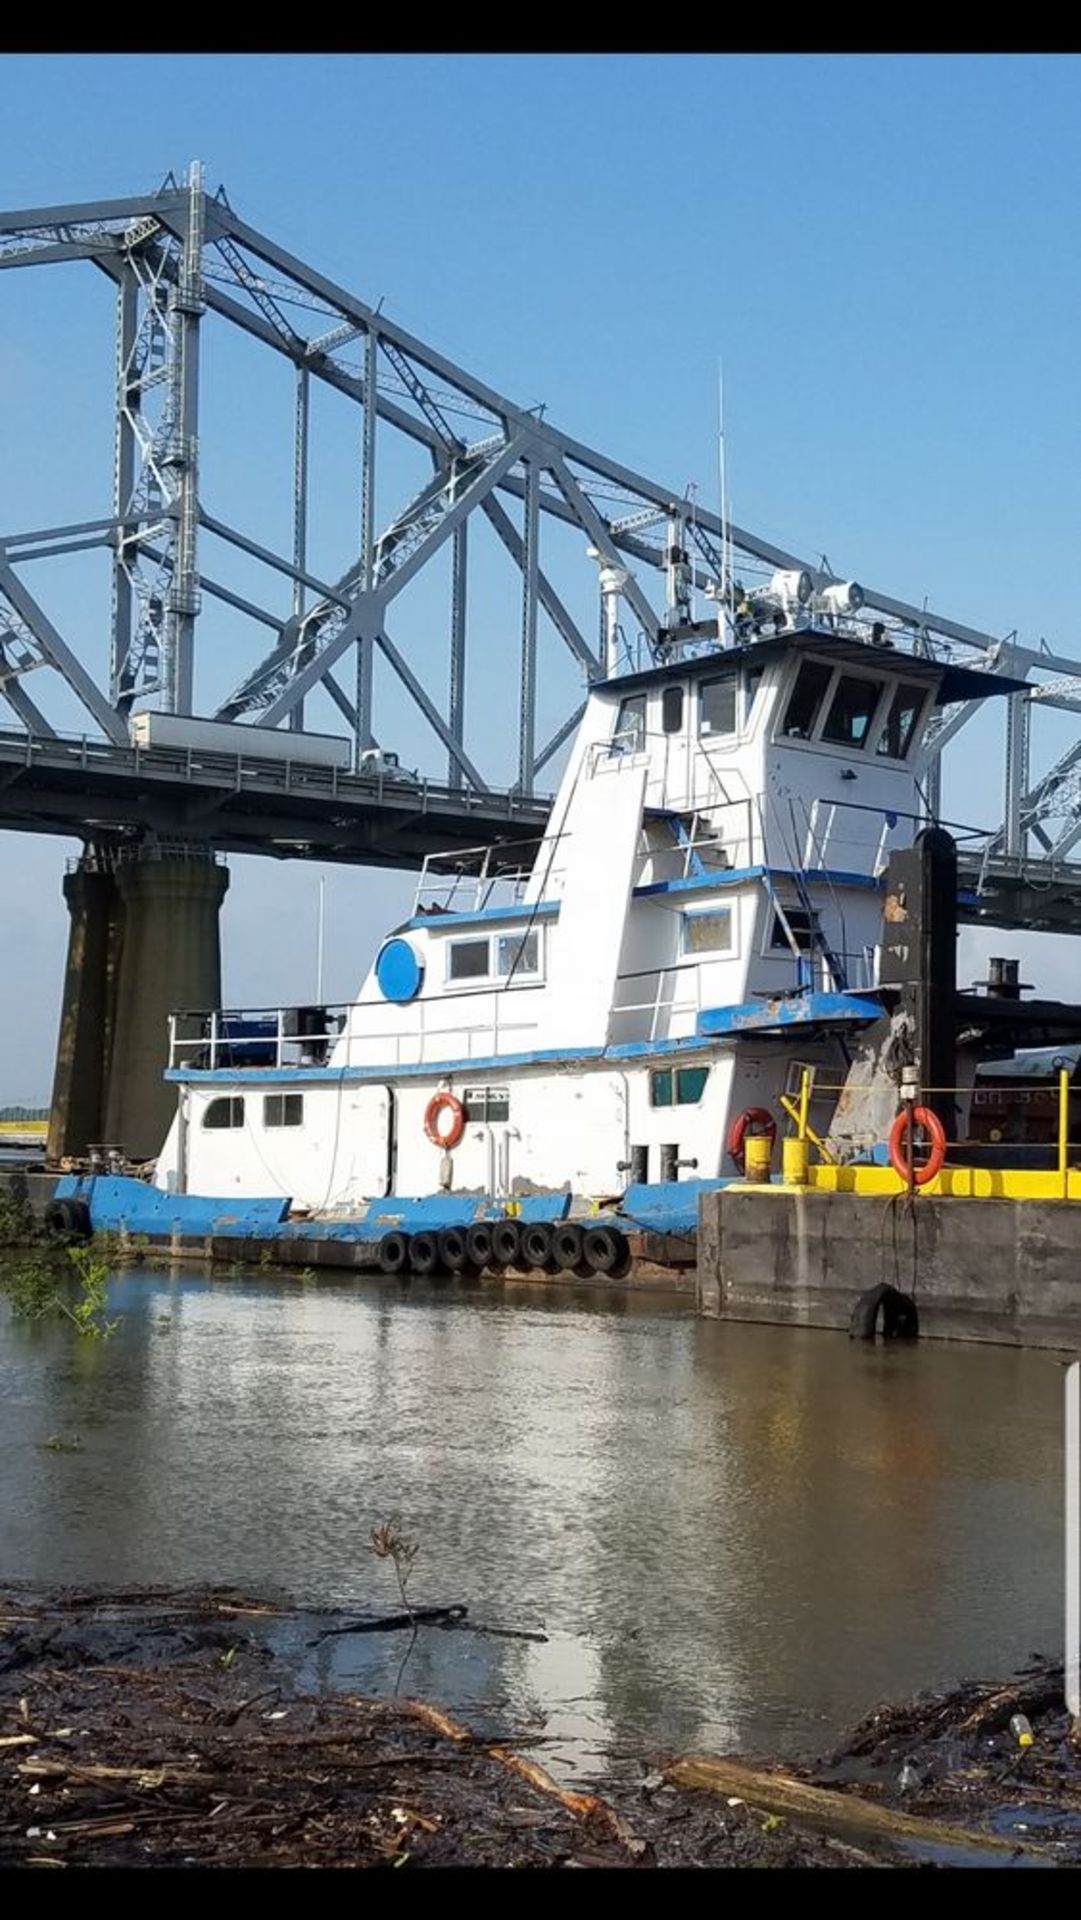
(668, 784)
(366, 1151)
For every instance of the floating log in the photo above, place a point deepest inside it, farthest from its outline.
(828, 1811)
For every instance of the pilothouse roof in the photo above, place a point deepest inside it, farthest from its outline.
(952, 682)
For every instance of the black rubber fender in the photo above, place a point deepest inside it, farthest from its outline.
(424, 1252)
(70, 1218)
(898, 1313)
(506, 1243)
(537, 1244)
(393, 1252)
(605, 1252)
(567, 1243)
(478, 1240)
(454, 1250)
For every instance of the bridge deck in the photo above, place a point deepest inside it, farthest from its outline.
(241, 804)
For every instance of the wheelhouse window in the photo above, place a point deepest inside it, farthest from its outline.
(468, 960)
(752, 680)
(486, 1105)
(517, 955)
(225, 1112)
(802, 925)
(672, 709)
(630, 730)
(677, 1086)
(852, 710)
(901, 721)
(805, 702)
(717, 704)
(283, 1110)
(708, 932)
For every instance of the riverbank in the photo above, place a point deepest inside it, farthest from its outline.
(165, 1728)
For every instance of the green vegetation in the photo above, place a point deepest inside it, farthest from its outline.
(37, 1290)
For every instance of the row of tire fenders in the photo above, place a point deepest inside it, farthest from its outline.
(589, 1249)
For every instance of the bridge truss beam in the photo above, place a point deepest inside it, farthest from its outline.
(176, 256)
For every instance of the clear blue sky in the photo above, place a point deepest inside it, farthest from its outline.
(884, 248)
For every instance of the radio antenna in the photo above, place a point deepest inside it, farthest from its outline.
(725, 609)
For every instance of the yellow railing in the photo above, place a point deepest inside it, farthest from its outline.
(828, 1175)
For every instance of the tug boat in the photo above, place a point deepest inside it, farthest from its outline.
(590, 1035)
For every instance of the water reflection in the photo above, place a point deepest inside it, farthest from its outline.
(733, 1535)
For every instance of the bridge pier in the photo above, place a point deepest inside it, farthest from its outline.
(144, 940)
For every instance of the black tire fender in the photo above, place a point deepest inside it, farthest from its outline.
(537, 1244)
(567, 1245)
(898, 1313)
(478, 1240)
(394, 1252)
(605, 1252)
(424, 1252)
(69, 1217)
(506, 1243)
(453, 1249)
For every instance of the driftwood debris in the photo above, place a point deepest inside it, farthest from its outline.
(828, 1811)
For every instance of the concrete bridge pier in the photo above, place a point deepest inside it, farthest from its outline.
(144, 940)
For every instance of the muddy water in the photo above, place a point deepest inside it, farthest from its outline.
(733, 1536)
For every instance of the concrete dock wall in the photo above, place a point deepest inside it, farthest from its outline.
(1003, 1271)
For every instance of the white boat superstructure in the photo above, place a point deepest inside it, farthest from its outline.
(698, 923)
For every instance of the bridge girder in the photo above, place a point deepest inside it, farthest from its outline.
(180, 253)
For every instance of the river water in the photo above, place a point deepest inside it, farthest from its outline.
(737, 1537)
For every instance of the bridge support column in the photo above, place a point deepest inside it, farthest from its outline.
(170, 958)
(83, 1049)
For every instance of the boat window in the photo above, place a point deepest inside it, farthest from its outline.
(630, 733)
(804, 926)
(283, 1110)
(678, 1087)
(227, 1112)
(752, 680)
(672, 709)
(486, 1104)
(717, 704)
(901, 721)
(851, 711)
(805, 704)
(517, 953)
(708, 932)
(468, 960)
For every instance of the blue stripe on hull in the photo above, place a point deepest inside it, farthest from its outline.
(117, 1202)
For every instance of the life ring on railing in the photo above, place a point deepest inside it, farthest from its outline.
(439, 1133)
(757, 1117)
(900, 1145)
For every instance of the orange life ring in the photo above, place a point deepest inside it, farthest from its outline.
(756, 1117)
(439, 1104)
(900, 1144)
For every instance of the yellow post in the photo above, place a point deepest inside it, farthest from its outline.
(794, 1161)
(1064, 1130)
(804, 1102)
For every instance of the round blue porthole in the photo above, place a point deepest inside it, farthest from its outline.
(398, 971)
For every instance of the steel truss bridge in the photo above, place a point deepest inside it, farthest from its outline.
(180, 255)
